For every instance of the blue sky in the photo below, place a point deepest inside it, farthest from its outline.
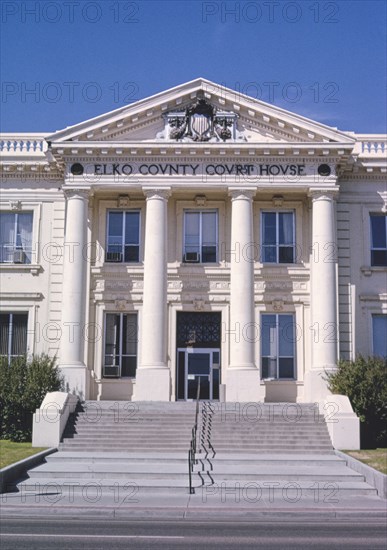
(63, 62)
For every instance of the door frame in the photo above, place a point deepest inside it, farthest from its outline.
(189, 351)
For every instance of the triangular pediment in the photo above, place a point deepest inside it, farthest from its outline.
(200, 111)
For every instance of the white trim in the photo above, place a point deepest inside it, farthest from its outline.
(124, 211)
(101, 208)
(181, 205)
(277, 345)
(121, 315)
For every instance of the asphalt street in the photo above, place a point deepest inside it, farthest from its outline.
(85, 534)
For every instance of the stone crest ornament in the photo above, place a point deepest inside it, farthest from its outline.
(278, 305)
(201, 122)
(198, 304)
(121, 304)
(15, 205)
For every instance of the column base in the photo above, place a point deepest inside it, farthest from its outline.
(315, 387)
(244, 386)
(75, 379)
(152, 385)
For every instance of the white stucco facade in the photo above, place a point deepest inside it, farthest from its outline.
(140, 223)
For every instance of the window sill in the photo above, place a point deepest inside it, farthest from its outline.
(122, 264)
(367, 270)
(34, 269)
(200, 264)
(277, 380)
(271, 264)
(118, 378)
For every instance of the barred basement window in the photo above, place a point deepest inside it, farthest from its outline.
(123, 236)
(13, 335)
(378, 240)
(121, 339)
(15, 237)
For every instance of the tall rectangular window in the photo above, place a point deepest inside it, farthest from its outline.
(200, 236)
(378, 239)
(13, 334)
(278, 237)
(15, 237)
(120, 358)
(379, 335)
(123, 236)
(278, 337)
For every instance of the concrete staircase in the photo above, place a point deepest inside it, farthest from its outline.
(139, 448)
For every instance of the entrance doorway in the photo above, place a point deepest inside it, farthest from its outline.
(198, 355)
(194, 365)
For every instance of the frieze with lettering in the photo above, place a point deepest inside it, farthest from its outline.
(98, 171)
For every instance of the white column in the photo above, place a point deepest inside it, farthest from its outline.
(74, 296)
(153, 376)
(324, 329)
(243, 380)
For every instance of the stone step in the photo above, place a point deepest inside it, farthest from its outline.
(296, 460)
(184, 432)
(172, 405)
(169, 448)
(215, 428)
(217, 444)
(162, 419)
(231, 418)
(220, 472)
(121, 419)
(134, 489)
(114, 432)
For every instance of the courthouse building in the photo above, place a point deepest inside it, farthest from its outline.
(197, 234)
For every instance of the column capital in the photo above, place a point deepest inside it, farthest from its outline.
(157, 193)
(238, 193)
(318, 194)
(72, 193)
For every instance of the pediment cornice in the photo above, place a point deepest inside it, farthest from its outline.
(281, 124)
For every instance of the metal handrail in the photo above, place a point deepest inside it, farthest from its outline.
(192, 450)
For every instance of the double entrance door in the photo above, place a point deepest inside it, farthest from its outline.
(196, 365)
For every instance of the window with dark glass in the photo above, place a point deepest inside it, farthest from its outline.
(278, 237)
(278, 337)
(13, 335)
(378, 240)
(123, 236)
(379, 335)
(200, 236)
(15, 237)
(120, 358)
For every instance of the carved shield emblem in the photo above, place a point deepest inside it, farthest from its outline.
(200, 124)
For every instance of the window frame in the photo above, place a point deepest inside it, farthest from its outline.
(138, 245)
(10, 334)
(373, 248)
(121, 314)
(373, 316)
(277, 245)
(14, 247)
(201, 211)
(294, 343)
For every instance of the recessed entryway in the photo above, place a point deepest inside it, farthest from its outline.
(198, 355)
